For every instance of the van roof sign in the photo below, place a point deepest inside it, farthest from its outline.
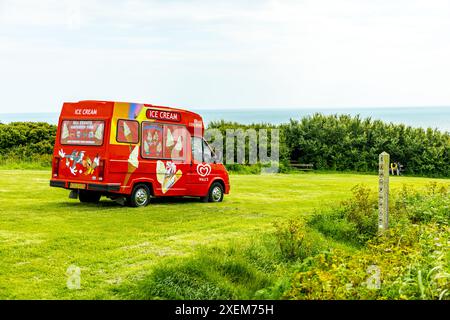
(163, 115)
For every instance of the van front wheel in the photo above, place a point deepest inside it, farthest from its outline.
(140, 197)
(89, 196)
(215, 193)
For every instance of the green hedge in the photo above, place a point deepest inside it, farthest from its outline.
(25, 143)
(343, 142)
(334, 142)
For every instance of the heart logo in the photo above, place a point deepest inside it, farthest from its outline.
(203, 169)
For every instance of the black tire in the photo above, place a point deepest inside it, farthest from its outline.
(215, 193)
(140, 197)
(86, 196)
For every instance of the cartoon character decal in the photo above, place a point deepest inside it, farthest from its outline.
(78, 157)
(167, 174)
(90, 165)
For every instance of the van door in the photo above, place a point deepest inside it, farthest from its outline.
(80, 150)
(203, 169)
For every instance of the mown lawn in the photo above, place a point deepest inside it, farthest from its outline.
(42, 232)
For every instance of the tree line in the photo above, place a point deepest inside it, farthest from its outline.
(344, 142)
(329, 142)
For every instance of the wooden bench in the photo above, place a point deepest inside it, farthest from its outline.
(302, 166)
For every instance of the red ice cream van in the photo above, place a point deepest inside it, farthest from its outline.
(131, 152)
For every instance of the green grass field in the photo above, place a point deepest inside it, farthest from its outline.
(42, 232)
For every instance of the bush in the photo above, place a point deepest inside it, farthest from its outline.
(346, 143)
(406, 262)
(244, 168)
(295, 241)
(411, 260)
(26, 145)
(432, 206)
(343, 142)
(355, 221)
(259, 168)
(333, 224)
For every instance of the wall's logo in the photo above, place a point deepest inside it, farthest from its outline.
(203, 169)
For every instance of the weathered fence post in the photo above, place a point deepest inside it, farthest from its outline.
(383, 191)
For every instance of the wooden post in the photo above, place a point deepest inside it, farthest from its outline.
(383, 188)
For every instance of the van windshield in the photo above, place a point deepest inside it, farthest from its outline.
(82, 132)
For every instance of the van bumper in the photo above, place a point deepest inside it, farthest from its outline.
(102, 187)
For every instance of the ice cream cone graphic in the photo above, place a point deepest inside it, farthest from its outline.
(169, 181)
(160, 171)
(127, 133)
(99, 132)
(65, 132)
(133, 164)
(169, 140)
(167, 175)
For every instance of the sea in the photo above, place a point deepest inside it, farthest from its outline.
(424, 117)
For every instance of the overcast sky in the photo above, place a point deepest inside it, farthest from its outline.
(206, 54)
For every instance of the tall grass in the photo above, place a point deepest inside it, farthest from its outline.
(235, 271)
(332, 255)
(38, 161)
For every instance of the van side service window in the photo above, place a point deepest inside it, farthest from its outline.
(152, 140)
(174, 142)
(163, 141)
(127, 131)
(82, 132)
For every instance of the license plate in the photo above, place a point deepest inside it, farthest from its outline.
(77, 186)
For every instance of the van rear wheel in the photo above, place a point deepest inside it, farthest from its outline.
(89, 196)
(140, 197)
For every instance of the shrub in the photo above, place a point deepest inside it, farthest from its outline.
(354, 221)
(431, 205)
(295, 241)
(343, 142)
(406, 262)
(411, 260)
(361, 210)
(26, 145)
(333, 224)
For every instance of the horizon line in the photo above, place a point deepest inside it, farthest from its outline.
(268, 108)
